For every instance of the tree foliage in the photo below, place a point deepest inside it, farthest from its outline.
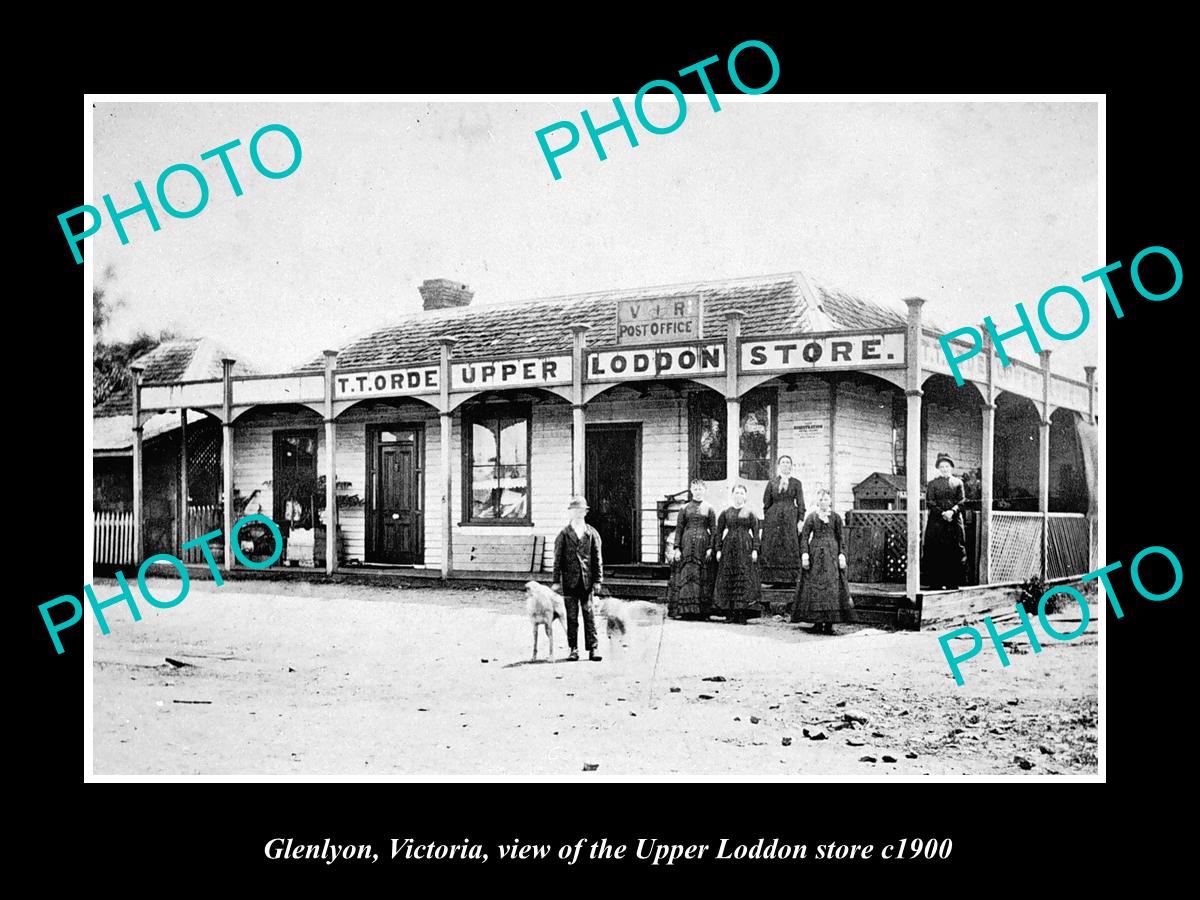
(111, 359)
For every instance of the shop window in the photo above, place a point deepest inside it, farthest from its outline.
(497, 465)
(706, 436)
(294, 484)
(756, 457)
(757, 442)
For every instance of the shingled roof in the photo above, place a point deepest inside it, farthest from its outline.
(183, 359)
(773, 304)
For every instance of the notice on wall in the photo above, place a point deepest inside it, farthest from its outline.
(810, 455)
(655, 321)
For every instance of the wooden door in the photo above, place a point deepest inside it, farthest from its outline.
(397, 510)
(613, 464)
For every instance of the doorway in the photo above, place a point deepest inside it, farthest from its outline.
(395, 514)
(613, 463)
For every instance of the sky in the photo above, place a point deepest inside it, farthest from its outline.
(973, 206)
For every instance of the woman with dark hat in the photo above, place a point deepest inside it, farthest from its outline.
(945, 553)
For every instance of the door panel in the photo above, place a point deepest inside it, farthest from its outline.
(613, 465)
(399, 518)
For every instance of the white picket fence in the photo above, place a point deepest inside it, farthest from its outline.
(113, 532)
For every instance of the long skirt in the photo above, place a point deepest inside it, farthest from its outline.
(691, 586)
(779, 560)
(738, 589)
(823, 591)
(945, 556)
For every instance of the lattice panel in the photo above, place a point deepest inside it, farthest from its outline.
(1016, 547)
(1068, 549)
(204, 466)
(887, 530)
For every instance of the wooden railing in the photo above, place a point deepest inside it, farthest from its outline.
(202, 520)
(1017, 545)
(1067, 552)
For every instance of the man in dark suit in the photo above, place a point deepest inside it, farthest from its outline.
(578, 570)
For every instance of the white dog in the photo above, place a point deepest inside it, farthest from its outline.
(544, 606)
(622, 615)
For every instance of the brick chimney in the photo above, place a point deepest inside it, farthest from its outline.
(442, 293)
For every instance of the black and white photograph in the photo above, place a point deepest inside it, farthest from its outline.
(527, 438)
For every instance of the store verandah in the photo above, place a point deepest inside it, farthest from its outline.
(1002, 423)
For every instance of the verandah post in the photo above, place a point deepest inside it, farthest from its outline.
(578, 423)
(445, 415)
(227, 460)
(912, 448)
(182, 516)
(1093, 500)
(733, 403)
(331, 510)
(1044, 463)
(987, 463)
(139, 548)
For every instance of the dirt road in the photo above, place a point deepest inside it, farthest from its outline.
(296, 679)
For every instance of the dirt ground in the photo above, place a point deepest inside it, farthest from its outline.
(298, 679)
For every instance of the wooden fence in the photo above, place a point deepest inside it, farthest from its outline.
(202, 520)
(113, 536)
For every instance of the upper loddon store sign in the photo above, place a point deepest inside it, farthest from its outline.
(858, 351)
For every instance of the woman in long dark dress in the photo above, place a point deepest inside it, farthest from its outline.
(783, 511)
(823, 591)
(689, 595)
(945, 553)
(739, 589)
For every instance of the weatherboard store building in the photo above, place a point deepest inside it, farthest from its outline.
(448, 444)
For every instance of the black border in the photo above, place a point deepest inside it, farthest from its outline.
(1020, 834)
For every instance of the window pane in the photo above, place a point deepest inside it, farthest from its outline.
(500, 468)
(756, 469)
(484, 492)
(756, 450)
(483, 442)
(306, 449)
(513, 441)
(712, 443)
(513, 493)
(708, 428)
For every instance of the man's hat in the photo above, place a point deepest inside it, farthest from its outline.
(577, 503)
(943, 457)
